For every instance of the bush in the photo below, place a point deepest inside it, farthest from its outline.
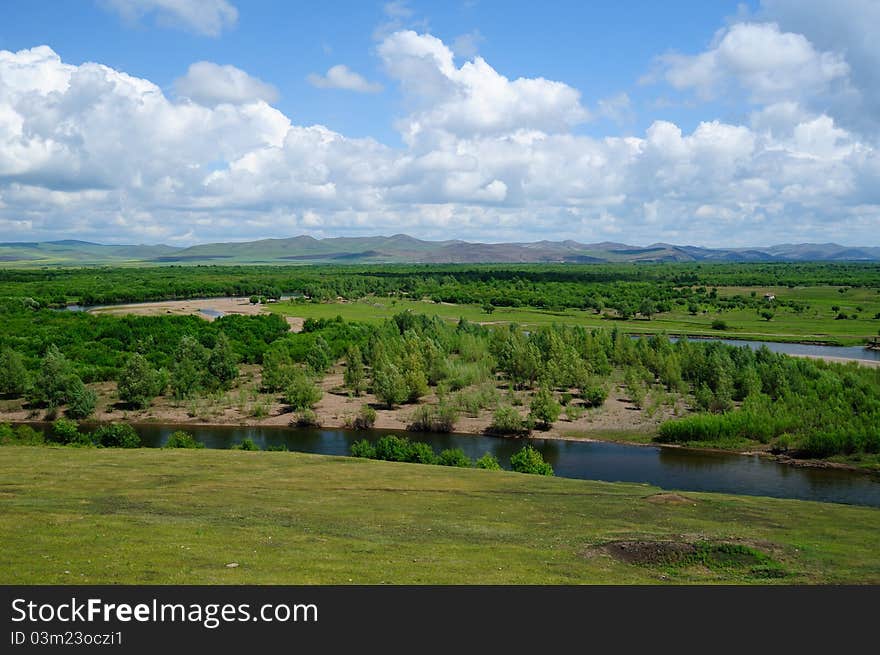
(23, 435)
(506, 420)
(138, 382)
(363, 448)
(544, 409)
(116, 435)
(306, 419)
(392, 448)
(454, 457)
(247, 444)
(529, 460)
(181, 439)
(718, 324)
(421, 453)
(488, 462)
(433, 418)
(67, 432)
(81, 400)
(302, 393)
(594, 396)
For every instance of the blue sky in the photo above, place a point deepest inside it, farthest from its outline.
(714, 123)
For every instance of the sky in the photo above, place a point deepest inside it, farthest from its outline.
(689, 122)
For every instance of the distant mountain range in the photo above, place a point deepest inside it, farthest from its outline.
(401, 248)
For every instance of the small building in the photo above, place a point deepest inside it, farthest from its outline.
(769, 296)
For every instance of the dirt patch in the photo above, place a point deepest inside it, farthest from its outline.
(670, 499)
(715, 556)
(649, 552)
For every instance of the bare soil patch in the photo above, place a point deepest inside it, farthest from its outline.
(670, 499)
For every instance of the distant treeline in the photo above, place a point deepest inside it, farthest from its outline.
(620, 286)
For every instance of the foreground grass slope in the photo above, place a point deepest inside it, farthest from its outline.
(152, 516)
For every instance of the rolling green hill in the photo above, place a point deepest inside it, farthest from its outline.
(401, 248)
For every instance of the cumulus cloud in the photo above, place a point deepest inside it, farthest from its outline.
(474, 98)
(342, 77)
(208, 17)
(759, 58)
(210, 84)
(91, 152)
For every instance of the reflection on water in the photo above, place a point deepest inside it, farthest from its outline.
(669, 468)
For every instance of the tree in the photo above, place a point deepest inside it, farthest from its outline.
(766, 314)
(222, 362)
(529, 460)
(278, 369)
(138, 381)
(544, 409)
(354, 370)
(389, 384)
(81, 400)
(646, 308)
(53, 380)
(302, 394)
(188, 373)
(319, 357)
(15, 380)
(454, 457)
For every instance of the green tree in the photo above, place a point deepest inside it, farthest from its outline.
(190, 363)
(389, 385)
(529, 460)
(302, 393)
(223, 362)
(54, 379)
(544, 409)
(138, 381)
(454, 457)
(278, 369)
(81, 400)
(354, 377)
(15, 380)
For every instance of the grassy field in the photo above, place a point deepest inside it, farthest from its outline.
(152, 516)
(815, 324)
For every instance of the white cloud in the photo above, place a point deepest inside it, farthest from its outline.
(208, 17)
(90, 152)
(474, 98)
(211, 84)
(342, 77)
(759, 58)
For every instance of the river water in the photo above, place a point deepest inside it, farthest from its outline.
(665, 467)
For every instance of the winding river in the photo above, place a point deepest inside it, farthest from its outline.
(666, 467)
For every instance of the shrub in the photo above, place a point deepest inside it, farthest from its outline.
(529, 460)
(594, 396)
(544, 409)
(421, 453)
(81, 400)
(67, 432)
(363, 448)
(15, 379)
(116, 435)
(506, 420)
(365, 419)
(393, 448)
(433, 418)
(302, 393)
(306, 419)
(247, 444)
(454, 457)
(138, 382)
(181, 439)
(488, 462)
(573, 412)
(23, 435)
(719, 324)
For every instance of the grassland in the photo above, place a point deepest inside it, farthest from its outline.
(151, 516)
(817, 324)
